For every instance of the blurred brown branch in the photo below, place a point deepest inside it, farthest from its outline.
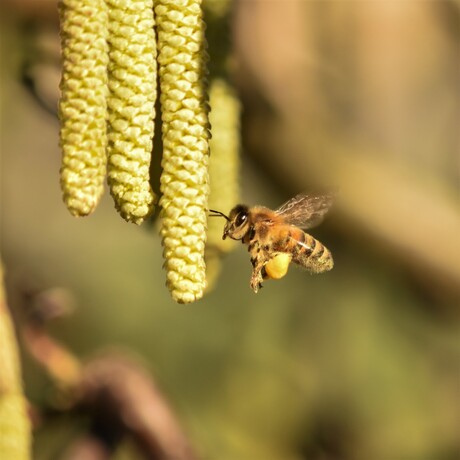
(37, 9)
(112, 389)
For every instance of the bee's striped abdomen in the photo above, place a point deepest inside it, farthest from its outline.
(312, 254)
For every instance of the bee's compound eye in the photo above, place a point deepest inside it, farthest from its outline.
(241, 219)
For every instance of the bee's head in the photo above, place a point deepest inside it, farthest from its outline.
(237, 222)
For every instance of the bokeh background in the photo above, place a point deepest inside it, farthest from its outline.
(359, 363)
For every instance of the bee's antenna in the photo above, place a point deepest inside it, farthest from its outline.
(218, 214)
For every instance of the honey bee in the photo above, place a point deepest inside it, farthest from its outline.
(277, 238)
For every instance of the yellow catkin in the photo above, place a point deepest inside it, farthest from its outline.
(184, 180)
(15, 430)
(223, 169)
(131, 106)
(82, 106)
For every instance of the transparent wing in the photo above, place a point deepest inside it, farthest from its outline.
(306, 210)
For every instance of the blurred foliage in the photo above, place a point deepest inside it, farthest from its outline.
(360, 363)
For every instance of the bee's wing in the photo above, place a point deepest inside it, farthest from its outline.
(306, 210)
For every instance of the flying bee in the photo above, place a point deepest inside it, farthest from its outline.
(277, 238)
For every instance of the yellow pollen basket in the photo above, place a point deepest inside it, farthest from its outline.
(277, 267)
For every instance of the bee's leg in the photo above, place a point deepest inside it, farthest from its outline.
(256, 281)
(257, 276)
(261, 277)
(264, 273)
(258, 260)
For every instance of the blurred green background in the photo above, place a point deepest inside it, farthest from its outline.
(359, 363)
